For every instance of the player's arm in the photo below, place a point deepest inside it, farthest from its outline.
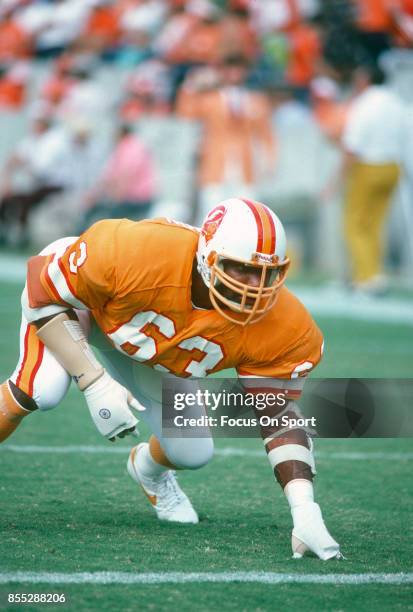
(109, 402)
(55, 286)
(289, 450)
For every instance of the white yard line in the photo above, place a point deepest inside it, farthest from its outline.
(227, 451)
(200, 577)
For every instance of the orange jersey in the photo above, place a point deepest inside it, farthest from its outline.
(135, 278)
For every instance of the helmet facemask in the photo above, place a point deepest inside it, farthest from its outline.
(254, 301)
(246, 234)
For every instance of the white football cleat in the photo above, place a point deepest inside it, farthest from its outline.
(164, 493)
(311, 534)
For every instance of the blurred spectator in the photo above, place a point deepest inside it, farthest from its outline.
(15, 42)
(127, 187)
(143, 16)
(237, 34)
(329, 112)
(83, 155)
(147, 91)
(309, 8)
(274, 15)
(404, 24)
(193, 36)
(50, 160)
(36, 160)
(341, 45)
(373, 143)
(55, 25)
(292, 47)
(378, 20)
(13, 84)
(237, 147)
(304, 54)
(173, 33)
(58, 81)
(85, 97)
(140, 21)
(203, 43)
(101, 32)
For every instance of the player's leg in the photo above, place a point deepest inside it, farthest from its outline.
(152, 464)
(357, 213)
(38, 382)
(382, 182)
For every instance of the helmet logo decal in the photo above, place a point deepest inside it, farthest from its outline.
(263, 258)
(212, 222)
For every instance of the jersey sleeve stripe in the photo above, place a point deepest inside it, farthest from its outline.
(66, 277)
(48, 281)
(60, 286)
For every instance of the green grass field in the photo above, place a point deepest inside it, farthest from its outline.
(78, 511)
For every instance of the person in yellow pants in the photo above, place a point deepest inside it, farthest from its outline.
(374, 142)
(369, 192)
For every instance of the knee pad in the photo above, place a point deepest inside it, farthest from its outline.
(189, 453)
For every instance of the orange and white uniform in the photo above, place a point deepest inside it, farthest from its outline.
(134, 279)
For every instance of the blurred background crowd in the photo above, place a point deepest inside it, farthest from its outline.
(136, 108)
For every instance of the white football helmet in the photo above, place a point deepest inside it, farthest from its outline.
(248, 232)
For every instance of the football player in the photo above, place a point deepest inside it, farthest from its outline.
(186, 302)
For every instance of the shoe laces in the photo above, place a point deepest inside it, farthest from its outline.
(169, 491)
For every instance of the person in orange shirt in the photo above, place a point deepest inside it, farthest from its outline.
(15, 42)
(13, 83)
(402, 30)
(102, 30)
(378, 21)
(59, 81)
(375, 15)
(304, 55)
(186, 303)
(237, 146)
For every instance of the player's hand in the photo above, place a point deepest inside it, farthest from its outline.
(109, 405)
